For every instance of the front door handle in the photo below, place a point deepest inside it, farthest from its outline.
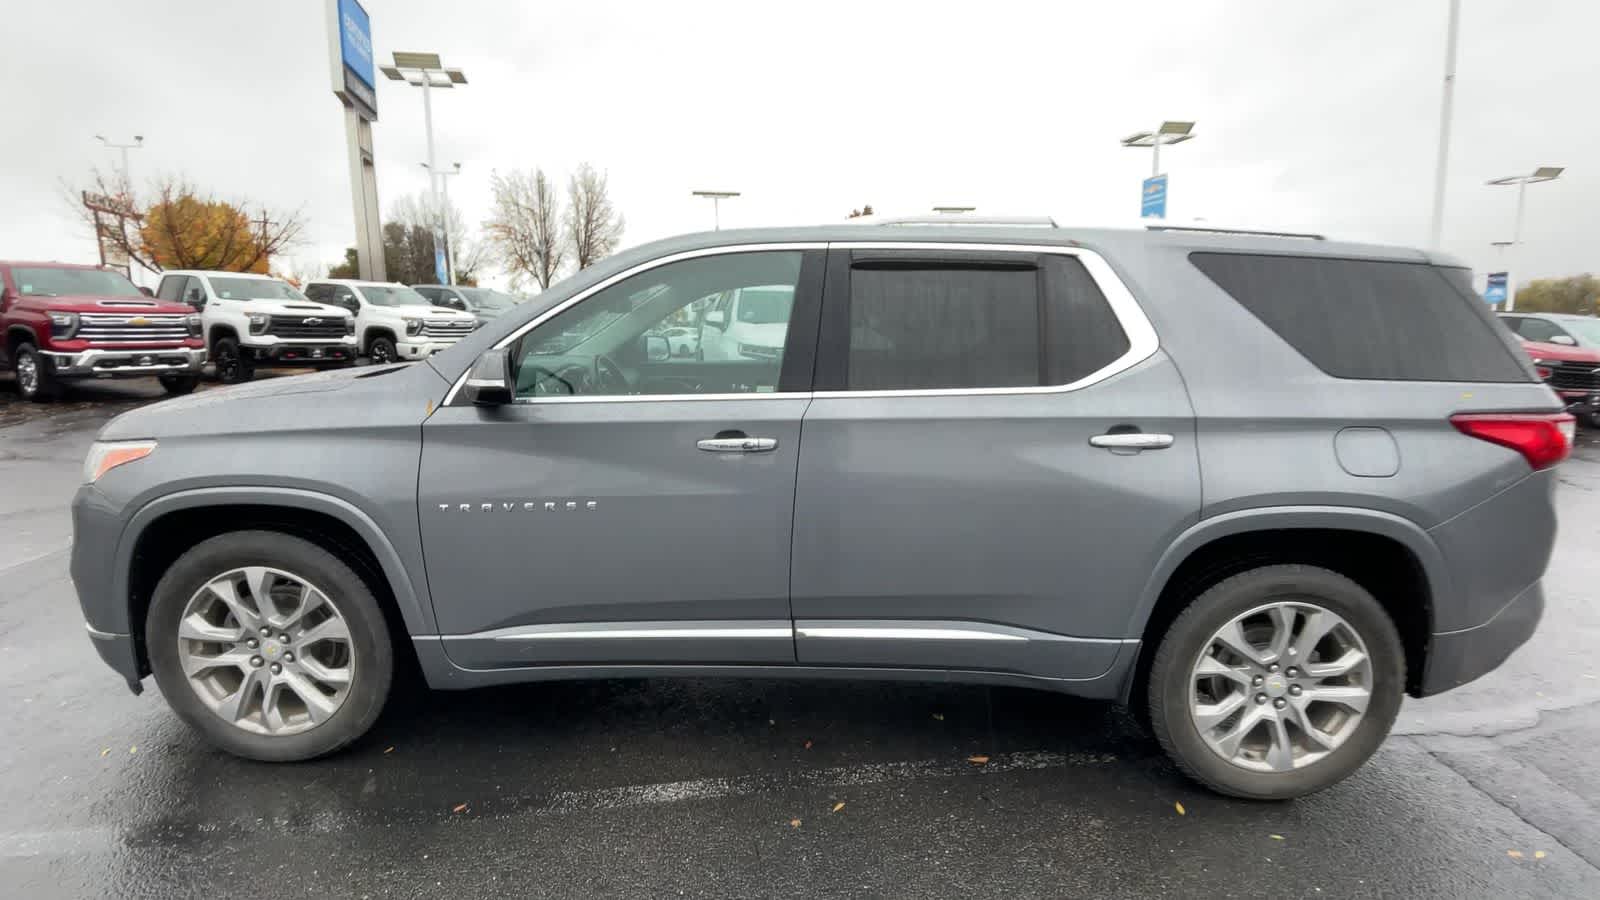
(738, 444)
(1133, 440)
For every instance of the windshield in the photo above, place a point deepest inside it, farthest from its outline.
(253, 289)
(48, 282)
(386, 295)
(1587, 331)
(765, 306)
(485, 298)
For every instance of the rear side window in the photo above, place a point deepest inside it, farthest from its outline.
(917, 324)
(1368, 319)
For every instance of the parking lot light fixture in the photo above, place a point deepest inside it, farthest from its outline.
(1169, 133)
(427, 71)
(716, 198)
(1543, 173)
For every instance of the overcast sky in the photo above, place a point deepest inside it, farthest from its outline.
(1319, 115)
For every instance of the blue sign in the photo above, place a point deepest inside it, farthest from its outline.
(1494, 291)
(355, 41)
(439, 273)
(1153, 199)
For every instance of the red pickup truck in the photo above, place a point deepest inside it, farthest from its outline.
(64, 321)
(1572, 372)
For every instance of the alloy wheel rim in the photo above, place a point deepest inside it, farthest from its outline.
(27, 373)
(266, 650)
(380, 352)
(1280, 686)
(227, 365)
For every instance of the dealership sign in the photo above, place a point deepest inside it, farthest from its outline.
(355, 72)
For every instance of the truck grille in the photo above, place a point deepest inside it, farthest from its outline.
(122, 328)
(449, 329)
(1574, 376)
(320, 328)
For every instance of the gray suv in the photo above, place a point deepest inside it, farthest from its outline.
(1257, 487)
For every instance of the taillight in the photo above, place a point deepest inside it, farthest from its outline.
(1544, 439)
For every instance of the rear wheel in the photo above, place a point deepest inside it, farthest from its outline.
(178, 385)
(269, 646)
(232, 365)
(1277, 682)
(34, 379)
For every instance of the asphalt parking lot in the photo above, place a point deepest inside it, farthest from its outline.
(756, 788)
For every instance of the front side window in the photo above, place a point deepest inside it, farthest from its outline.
(171, 288)
(41, 281)
(919, 324)
(487, 299)
(252, 289)
(391, 295)
(1538, 330)
(711, 325)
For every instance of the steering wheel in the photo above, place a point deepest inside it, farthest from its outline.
(608, 377)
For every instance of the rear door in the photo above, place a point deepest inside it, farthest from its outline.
(996, 454)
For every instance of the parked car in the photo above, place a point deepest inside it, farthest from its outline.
(485, 303)
(64, 322)
(250, 320)
(1555, 328)
(682, 341)
(1573, 372)
(393, 322)
(1056, 458)
(746, 323)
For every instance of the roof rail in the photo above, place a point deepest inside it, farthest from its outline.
(967, 219)
(1202, 229)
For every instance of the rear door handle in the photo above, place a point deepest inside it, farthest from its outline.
(1135, 440)
(738, 444)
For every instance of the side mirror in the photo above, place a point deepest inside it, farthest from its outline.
(5, 297)
(195, 298)
(456, 303)
(490, 382)
(656, 348)
(717, 318)
(1564, 339)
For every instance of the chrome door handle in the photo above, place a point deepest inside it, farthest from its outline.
(1132, 441)
(738, 444)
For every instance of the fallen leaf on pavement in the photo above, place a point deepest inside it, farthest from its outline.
(794, 823)
(459, 808)
(390, 750)
(808, 745)
(1514, 854)
(840, 805)
(134, 749)
(978, 760)
(1539, 854)
(1179, 807)
(105, 751)
(938, 717)
(1276, 837)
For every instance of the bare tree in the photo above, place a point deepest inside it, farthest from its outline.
(418, 214)
(523, 229)
(179, 225)
(594, 227)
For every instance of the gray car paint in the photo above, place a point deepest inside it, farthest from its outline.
(1254, 424)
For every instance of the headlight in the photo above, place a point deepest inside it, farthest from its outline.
(194, 324)
(63, 324)
(259, 322)
(413, 326)
(105, 456)
(349, 324)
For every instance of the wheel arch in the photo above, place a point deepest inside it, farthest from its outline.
(218, 332)
(1391, 557)
(166, 527)
(372, 333)
(16, 334)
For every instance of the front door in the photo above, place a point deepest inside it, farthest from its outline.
(997, 453)
(632, 506)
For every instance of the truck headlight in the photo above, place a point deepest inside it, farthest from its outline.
(349, 324)
(413, 327)
(194, 324)
(63, 324)
(107, 455)
(259, 322)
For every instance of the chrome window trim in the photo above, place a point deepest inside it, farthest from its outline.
(625, 274)
(1142, 339)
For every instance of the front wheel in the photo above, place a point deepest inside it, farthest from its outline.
(383, 351)
(269, 646)
(34, 380)
(232, 365)
(178, 385)
(1277, 682)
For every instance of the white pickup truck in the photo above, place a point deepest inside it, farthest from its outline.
(393, 322)
(250, 320)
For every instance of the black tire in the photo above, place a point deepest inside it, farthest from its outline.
(382, 351)
(369, 635)
(233, 367)
(1189, 635)
(178, 385)
(34, 379)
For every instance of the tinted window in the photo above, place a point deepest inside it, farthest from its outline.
(171, 288)
(1369, 319)
(1538, 329)
(319, 292)
(430, 294)
(924, 326)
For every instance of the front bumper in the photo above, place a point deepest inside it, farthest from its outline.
(1580, 402)
(411, 348)
(304, 353)
(1457, 657)
(106, 363)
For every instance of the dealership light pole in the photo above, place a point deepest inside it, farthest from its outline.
(427, 71)
(444, 213)
(716, 204)
(138, 142)
(1168, 133)
(1442, 162)
(1543, 173)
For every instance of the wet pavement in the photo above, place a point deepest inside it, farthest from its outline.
(733, 788)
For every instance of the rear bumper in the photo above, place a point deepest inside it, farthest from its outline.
(1457, 657)
(102, 363)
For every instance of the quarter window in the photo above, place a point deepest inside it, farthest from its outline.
(711, 325)
(919, 324)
